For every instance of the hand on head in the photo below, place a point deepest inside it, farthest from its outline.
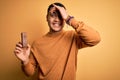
(62, 11)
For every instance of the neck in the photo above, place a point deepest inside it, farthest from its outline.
(52, 31)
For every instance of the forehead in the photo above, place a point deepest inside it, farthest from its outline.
(52, 9)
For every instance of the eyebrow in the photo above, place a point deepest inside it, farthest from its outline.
(54, 12)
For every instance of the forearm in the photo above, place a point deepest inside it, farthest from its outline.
(88, 35)
(29, 67)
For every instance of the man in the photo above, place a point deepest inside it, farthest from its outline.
(55, 53)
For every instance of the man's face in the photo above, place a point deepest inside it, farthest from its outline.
(55, 20)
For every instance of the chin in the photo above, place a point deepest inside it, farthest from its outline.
(57, 30)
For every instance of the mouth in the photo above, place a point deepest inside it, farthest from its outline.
(56, 24)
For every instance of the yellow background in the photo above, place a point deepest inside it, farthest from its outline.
(101, 62)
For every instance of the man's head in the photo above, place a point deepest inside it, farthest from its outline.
(54, 18)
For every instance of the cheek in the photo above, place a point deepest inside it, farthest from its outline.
(49, 20)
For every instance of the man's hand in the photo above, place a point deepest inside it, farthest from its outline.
(22, 53)
(62, 10)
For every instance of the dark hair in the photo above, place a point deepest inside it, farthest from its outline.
(56, 3)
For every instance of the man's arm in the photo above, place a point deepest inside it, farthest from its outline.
(27, 59)
(86, 36)
(30, 66)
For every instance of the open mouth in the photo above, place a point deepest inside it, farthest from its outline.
(56, 24)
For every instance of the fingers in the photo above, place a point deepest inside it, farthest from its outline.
(54, 5)
(58, 7)
(22, 53)
(17, 51)
(19, 44)
(18, 48)
(62, 11)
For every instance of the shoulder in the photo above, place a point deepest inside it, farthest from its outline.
(71, 32)
(38, 41)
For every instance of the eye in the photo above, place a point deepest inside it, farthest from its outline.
(53, 14)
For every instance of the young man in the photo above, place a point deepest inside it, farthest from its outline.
(55, 53)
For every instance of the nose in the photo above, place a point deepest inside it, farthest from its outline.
(56, 18)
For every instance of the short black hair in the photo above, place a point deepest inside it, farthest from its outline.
(56, 3)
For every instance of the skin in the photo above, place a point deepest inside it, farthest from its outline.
(56, 19)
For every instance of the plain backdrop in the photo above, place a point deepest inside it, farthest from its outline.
(101, 62)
